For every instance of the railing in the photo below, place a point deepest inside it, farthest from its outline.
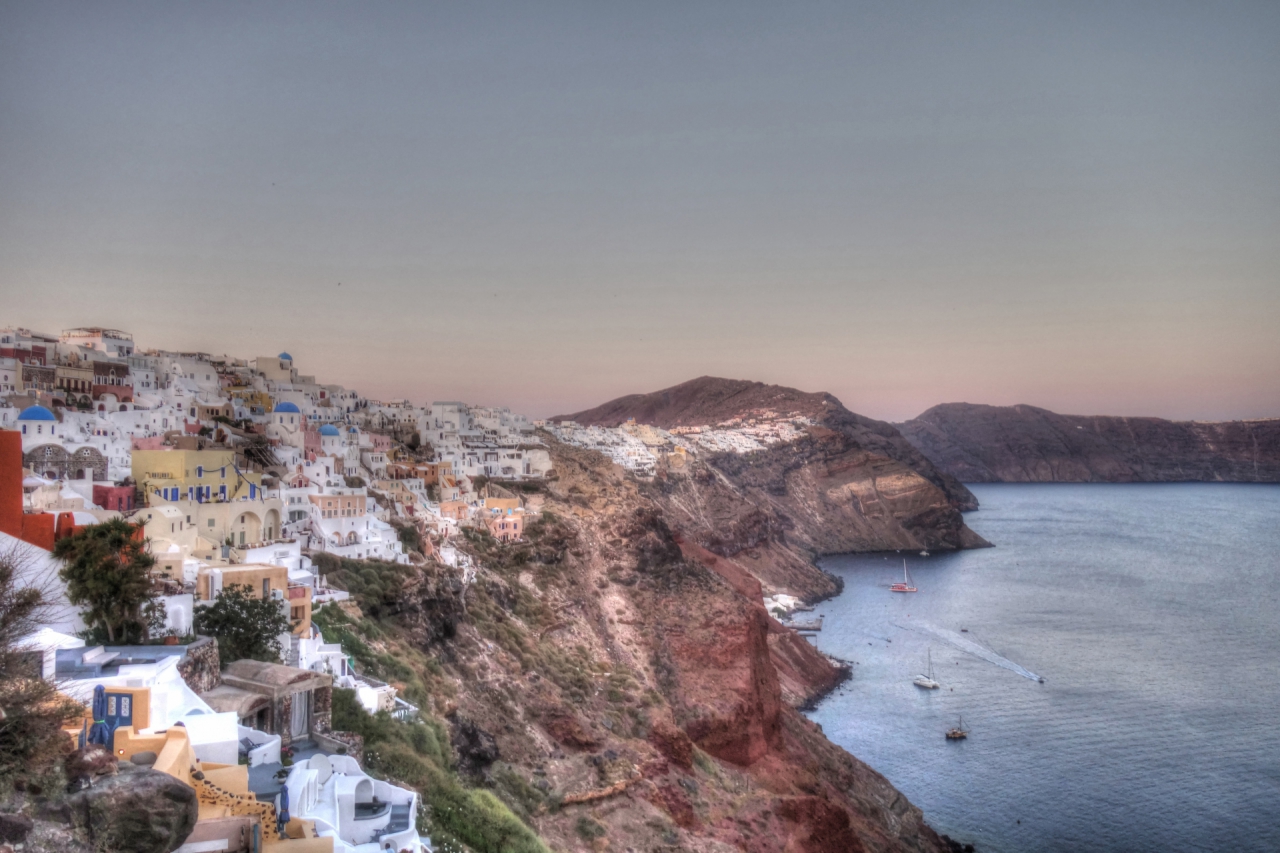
(404, 711)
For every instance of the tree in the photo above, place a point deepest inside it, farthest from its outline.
(246, 627)
(31, 711)
(108, 572)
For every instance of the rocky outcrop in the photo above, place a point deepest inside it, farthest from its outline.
(137, 810)
(1025, 444)
(849, 484)
(432, 604)
(14, 828)
(710, 400)
(476, 750)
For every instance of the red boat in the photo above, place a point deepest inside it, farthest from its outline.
(905, 586)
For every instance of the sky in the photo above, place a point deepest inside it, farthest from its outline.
(548, 205)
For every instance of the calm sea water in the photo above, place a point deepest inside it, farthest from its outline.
(1153, 614)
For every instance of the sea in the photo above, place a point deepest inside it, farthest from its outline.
(1151, 611)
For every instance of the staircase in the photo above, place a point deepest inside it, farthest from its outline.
(241, 805)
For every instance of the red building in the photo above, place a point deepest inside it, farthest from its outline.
(41, 529)
(119, 498)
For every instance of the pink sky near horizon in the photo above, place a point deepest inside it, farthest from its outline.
(1072, 206)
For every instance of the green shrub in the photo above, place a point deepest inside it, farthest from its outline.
(589, 829)
(412, 753)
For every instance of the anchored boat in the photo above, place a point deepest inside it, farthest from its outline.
(959, 732)
(905, 586)
(926, 681)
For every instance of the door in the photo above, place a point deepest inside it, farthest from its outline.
(299, 725)
(119, 713)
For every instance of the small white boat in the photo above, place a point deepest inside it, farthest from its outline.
(926, 681)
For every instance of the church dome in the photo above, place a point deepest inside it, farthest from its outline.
(284, 356)
(329, 429)
(36, 413)
(288, 408)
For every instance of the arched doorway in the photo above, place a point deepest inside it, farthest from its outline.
(246, 529)
(271, 525)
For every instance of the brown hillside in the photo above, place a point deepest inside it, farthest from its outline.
(705, 400)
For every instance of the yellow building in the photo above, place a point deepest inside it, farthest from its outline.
(239, 524)
(229, 812)
(198, 475)
(250, 397)
(263, 581)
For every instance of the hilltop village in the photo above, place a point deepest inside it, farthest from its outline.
(246, 474)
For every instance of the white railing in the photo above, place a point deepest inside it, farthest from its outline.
(266, 749)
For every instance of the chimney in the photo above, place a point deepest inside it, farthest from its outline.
(11, 483)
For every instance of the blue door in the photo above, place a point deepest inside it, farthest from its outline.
(119, 712)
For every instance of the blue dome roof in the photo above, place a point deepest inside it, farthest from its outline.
(352, 429)
(36, 413)
(286, 406)
(285, 356)
(329, 429)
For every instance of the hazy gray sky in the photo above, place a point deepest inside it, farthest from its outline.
(1075, 205)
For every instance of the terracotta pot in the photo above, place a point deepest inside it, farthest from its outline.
(171, 640)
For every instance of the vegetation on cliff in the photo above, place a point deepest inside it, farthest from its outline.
(607, 681)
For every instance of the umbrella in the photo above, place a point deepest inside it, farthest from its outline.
(282, 817)
(99, 733)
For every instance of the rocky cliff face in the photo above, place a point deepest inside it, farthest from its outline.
(118, 808)
(851, 484)
(627, 685)
(1025, 444)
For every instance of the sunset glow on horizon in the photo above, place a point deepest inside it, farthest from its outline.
(1069, 206)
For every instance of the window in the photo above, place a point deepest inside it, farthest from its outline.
(266, 583)
(211, 522)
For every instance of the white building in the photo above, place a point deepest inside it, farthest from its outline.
(110, 342)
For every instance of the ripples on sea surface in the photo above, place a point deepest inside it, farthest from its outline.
(1151, 612)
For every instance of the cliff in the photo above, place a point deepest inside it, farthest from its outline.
(850, 484)
(1025, 444)
(619, 685)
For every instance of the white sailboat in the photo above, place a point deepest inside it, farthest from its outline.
(926, 681)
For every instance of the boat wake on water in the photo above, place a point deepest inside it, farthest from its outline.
(964, 644)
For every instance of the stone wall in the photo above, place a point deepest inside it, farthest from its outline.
(337, 742)
(282, 716)
(201, 668)
(321, 710)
